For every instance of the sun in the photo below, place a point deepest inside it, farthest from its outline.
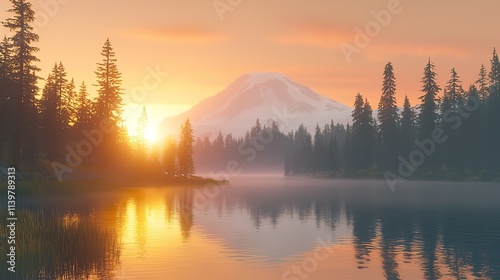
(150, 135)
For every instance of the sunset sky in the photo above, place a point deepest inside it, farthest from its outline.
(203, 52)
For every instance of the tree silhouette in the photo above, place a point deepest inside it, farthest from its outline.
(140, 136)
(6, 88)
(109, 100)
(169, 156)
(388, 118)
(185, 150)
(83, 110)
(482, 83)
(453, 100)
(108, 106)
(428, 116)
(408, 129)
(493, 113)
(24, 78)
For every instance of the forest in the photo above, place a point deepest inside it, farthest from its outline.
(454, 133)
(52, 130)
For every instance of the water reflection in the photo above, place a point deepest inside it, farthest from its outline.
(449, 230)
(257, 229)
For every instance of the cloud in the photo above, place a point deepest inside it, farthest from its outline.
(315, 33)
(184, 34)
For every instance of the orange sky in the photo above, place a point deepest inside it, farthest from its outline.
(301, 39)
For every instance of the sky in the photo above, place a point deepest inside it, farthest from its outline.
(197, 48)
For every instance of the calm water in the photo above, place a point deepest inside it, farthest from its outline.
(297, 228)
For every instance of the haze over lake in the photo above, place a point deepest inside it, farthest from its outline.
(267, 227)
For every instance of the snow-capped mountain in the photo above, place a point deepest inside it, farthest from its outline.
(263, 96)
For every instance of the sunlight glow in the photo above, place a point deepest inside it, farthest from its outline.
(150, 135)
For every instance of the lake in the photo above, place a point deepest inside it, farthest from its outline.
(275, 227)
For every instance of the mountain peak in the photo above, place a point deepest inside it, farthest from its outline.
(259, 77)
(266, 96)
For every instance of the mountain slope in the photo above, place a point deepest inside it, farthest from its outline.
(266, 96)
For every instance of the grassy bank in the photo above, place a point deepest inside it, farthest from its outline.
(55, 246)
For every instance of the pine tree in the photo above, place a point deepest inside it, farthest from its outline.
(368, 136)
(6, 83)
(408, 129)
(169, 161)
(493, 113)
(388, 118)
(61, 82)
(482, 84)
(51, 121)
(494, 74)
(185, 150)
(363, 134)
(319, 151)
(140, 137)
(348, 150)
(453, 96)
(71, 102)
(107, 108)
(428, 116)
(24, 78)
(109, 100)
(83, 108)
(471, 141)
(256, 130)
(453, 99)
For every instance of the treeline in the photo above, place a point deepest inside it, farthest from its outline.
(50, 122)
(262, 149)
(59, 127)
(448, 135)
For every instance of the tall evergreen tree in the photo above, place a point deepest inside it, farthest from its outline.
(83, 108)
(369, 135)
(470, 140)
(363, 135)
(185, 150)
(454, 95)
(408, 129)
(51, 127)
(453, 99)
(24, 78)
(493, 113)
(140, 137)
(319, 151)
(482, 83)
(71, 102)
(169, 159)
(109, 99)
(388, 118)
(6, 69)
(108, 105)
(428, 116)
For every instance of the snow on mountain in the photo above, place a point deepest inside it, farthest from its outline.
(266, 96)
